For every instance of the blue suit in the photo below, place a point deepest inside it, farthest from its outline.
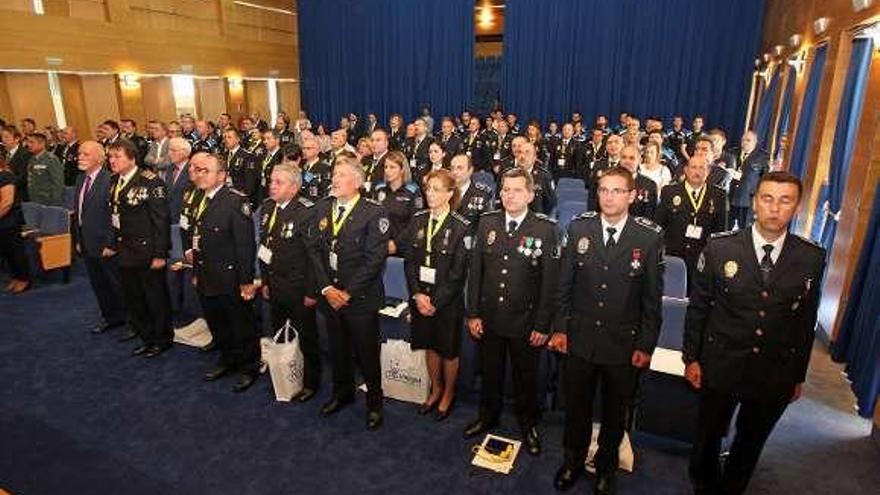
(176, 190)
(93, 232)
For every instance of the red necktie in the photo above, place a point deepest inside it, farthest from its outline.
(82, 196)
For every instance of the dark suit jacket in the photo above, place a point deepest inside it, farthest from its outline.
(751, 337)
(754, 166)
(94, 233)
(227, 248)
(610, 299)
(176, 190)
(18, 163)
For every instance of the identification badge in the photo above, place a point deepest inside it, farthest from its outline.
(196, 242)
(561, 162)
(114, 220)
(693, 231)
(265, 254)
(184, 222)
(334, 262)
(368, 186)
(496, 156)
(427, 275)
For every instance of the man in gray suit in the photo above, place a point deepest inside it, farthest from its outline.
(157, 157)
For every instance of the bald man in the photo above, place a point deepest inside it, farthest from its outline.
(94, 235)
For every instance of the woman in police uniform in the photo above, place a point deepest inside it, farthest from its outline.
(399, 195)
(435, 259)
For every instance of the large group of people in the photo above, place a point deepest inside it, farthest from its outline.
(471, 210)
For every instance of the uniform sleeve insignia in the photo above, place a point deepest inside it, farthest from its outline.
(644, 222)
(730, 269)
(384, 224)
(246, 208)
(676, 200)
(701, 263)
(460, 218)
(545, 217)
(373, 202)
(583, 245)
(306, 202)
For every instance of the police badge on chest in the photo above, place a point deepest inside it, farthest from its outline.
(636, 261)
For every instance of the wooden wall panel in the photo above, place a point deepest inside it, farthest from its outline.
(30, 97)
(102, 99)
(5, 101)
(257, 97)
(211, 98)
(95, 10)
(158, 98)
(289, 99)
(236, 105)
(131, 103)
(75, 104)
(18, 5)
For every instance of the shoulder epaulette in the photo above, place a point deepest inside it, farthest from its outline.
(412, 187)
(483, 187)
(373, 201)
(421, 213)
(586, 215)
(266, 202)
(721, 235)
(237, 192)
(148, 174)
(809, 241)
(648, 224)
(460, 218)
(545, 217)
(308, 203)
(490, 213)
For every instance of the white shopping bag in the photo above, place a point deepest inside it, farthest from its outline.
(285, 361)
(626, 452)
(404, 372)
(196, 334)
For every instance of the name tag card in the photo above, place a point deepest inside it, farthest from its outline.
(427, 275)
(184, 222)
(265, 254)
(114, 220)
(334, 262)
(196, 239)
(693, 232)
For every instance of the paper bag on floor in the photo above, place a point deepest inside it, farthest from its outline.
(196, 334)
(285, 361)
(404, 372)
(626, 452)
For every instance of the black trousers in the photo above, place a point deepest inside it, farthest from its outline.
(741, 215)
(148, 303)
(231, 320)
(754, 422)
(12, 250)
(581, 378)
(524, 358)
(355, 334)
(104, 279)
(283, 308)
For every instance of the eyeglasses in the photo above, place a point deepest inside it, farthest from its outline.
(617, 191)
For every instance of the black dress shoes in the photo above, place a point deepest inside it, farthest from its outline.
(566, 477)
(533, 441)
(304, 395)
(442, 415)
(374, 420)
(606, 484)
(139, 351)
(479, 427)
(244, 382)
(103, 327)
(335, 405)
(216, 373)
(128, 335)
(155, 350)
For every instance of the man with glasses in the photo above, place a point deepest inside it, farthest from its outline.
(609, 302)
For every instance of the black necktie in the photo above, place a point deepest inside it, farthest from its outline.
(511, 226)
(766, 262)
(611, 242)
(695, 194)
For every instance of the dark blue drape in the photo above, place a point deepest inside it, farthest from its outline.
(385, 56)
(858, 342)
(767, 109)
(598, 56)
(845, 138)
(785, 111)
(806, 123)
(487, 84)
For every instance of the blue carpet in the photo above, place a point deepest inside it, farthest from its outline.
(79, 415)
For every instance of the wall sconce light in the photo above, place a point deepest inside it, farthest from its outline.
(778, 49)
(129, 80)
(767, 57)
(874, 33)
(485, 17)
(798, 62)
(235, 83)
(860, 5)
(820, 25)
(794, 41)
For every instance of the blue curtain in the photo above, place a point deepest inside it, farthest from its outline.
(858, 342)
(844, 139)
(785, 111)
(385, 56)
(598, 56)
(806, 124)
(766, 110)
(487, 84)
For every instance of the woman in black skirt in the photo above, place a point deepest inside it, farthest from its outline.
(435, 259)
(11, 243)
